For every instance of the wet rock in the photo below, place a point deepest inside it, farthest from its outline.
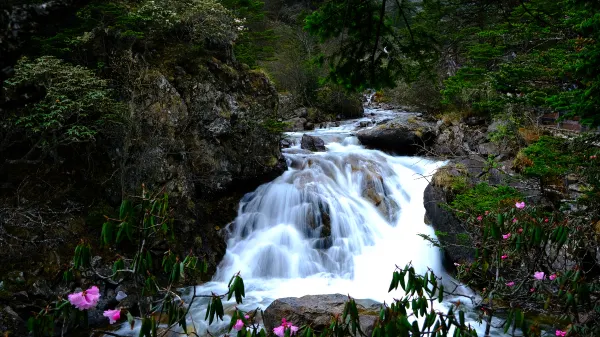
(309, 126)
(390, 210)
(364, 124)
(312, 143)
(444, 221)
(317, 310)
(401, 136)
(286, 143)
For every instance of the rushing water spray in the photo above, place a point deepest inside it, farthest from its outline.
(334, 222)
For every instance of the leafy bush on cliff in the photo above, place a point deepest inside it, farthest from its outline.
(63, 105)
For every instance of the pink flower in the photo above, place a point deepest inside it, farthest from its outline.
(539, 275)
(479, 218)
(552, 277)
(280, 330)
(112, 315)
(591, 157)
(515, 220)
(86, 299)
(520, 230)
(506, 236)
(532, 290)
(520, 205)
(546, 220)
(239, 325)
(510, 284)
(487, 212)
(246, 316)
(561, 333)
(504, 257)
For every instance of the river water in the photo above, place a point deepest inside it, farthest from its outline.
(335, 222)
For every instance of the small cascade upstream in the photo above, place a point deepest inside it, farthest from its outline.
(334, 222)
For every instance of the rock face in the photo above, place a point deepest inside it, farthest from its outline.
(312, 143)
(203, 136)
(444, 221)
(407, 135)
(472, 170)
(317, 311)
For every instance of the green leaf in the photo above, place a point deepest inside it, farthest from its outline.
(125, 209)
(131, 320)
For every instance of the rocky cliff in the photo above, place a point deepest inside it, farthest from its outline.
(199, 126)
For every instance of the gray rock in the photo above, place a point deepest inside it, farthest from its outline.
(401, 136)
(317, 311)
(488, 149)
(295, 124)
(444, 221)
(309, 126)
(312, 143)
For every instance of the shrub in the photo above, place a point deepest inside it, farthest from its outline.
(64, 104)
(483, 197)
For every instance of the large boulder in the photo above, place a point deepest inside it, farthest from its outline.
(312, 143)
(317, 311)
(406, 135)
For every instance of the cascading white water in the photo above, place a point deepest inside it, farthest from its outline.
(334, 222)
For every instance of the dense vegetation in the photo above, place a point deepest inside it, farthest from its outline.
(71, 92)
(515, 58)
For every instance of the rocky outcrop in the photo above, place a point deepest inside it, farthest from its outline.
(442, 220)
(200, 131)
(467, 171)
(312, 143)
(406, 135)
(374, 190)
(203, 136)
(317, 311)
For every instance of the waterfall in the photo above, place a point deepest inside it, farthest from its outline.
(369, 96)
(334, 222)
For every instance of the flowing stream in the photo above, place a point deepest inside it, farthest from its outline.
(335, 222)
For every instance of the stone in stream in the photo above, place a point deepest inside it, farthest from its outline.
(312, 143)
(317, 311)
(403, 136)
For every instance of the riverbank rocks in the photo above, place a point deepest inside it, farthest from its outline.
(312, 143)
(317, 312)
(405, 135)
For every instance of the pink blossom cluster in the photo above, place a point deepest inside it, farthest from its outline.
(88, 299)
(239, 324)
(280, 330)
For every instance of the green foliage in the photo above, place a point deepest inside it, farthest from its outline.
(493, 57)
(368, 41)
(549, 158)
(67, 104)
(514, 247)
(483, 197)
(256, 37)
(275, 127)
